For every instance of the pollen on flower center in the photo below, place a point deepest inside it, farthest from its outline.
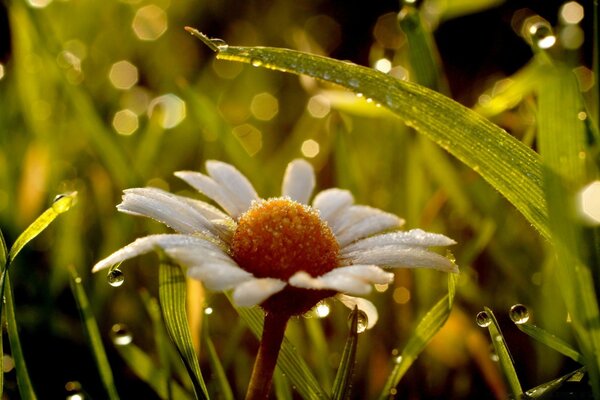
(278, 237)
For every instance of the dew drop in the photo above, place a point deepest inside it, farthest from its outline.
(519, 314)
(398, 359)
(322, 309)
(63, 202)
(326, 75)
(256, 63)
(115, 277)
(361, 323)
(541, 35)
(353, 82)
(220, 43)
(208, 310)
(483, 319)
(120, 334)
(74, 391)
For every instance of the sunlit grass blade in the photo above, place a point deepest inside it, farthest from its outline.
(172, 291)
(219, 377)
(547, 390)
(3, 259)
(157, 378)
(62, 203)
(563, 148)
(425, 330)
(24, 382)
(93, 334)
(343, 378)
(290, 363)
(504, 358)
(509, 166)
(283, 390)
(320, 346)
(551, 341)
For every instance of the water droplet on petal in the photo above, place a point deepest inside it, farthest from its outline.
(483, 319)
(362, 321)
(519, 314)
(115, 277)
(220, 43)
(120, 334)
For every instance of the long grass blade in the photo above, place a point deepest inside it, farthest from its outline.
(3, 259)
(509, 166)
(172, 291)
(220, 378)
(427, 328)
(24, 382)
(93, 334)
(289, 361)
(343, 379)
(551, 341)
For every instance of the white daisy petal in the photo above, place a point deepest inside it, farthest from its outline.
(412, 238)
(340, 282)
(211, 189)
(165, 207)
(364, 305)
(234, 182)
(398, 256)
(219, 275)
(330, 202)
(358, 222)
(298, 181)
(150, 243)
(255, 291)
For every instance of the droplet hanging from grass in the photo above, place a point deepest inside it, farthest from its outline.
(115, 277)
(519, 314)
(483, 319)
(362, 322)
(120, 335)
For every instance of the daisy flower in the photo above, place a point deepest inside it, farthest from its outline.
(280, 253)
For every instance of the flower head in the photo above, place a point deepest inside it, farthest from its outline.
(280, 253)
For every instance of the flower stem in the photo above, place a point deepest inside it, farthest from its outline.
(270, 343)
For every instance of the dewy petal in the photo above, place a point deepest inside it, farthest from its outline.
(398, 256)
(358, 222)
(364, 305)
(412, 238)
(330, 202)
(165, 207)
(255, 291)
(211, 189)
(147, 244)
(298, 181)
(353, 279)
(219, 275)
(234, 182)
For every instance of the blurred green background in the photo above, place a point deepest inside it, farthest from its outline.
(100, 96)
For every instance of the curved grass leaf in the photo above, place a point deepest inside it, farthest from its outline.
(172, 290)
(220, 378)
(551, 341)
(509, 166)
(290, 363)
(427, 328)
(343, 378)
(93, 334)
(24, 382)
(504, 357)
(549, 390)
(3, 258)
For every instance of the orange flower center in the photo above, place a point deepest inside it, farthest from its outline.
(278, 237)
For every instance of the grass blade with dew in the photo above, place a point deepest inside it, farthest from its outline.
(24, 382)
(509, 166)
(290, 363)
(93, 335)
(564, 151)
(551, 341)
(426, 329)
(343, 378)
(548, 390)
(283, 390)
(172, 292)
(220, 378)
(486, 319)
(141, 364)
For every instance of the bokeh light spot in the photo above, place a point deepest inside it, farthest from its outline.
(150, 22)
(589, 203)
(125, 122)
(571, 12)
(384, 65)
(401, 295)
(39, 3)
(1, 71)
(250, 138)
(318, 106)
(264, 106)
(123, 75)
(172, 108)
(310, 148)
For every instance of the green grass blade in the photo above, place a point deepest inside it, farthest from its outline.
(562, 142)
(545, 390)
(24, 382)
(509, 166)
(220, 379)
(318, 342)
(283, 390)
(427, 328)
(551, 341)
(3, 259)
(504, 357)
(61, 204)
(93, 334)
(290, 363)
(343, 378)
(156, 378)
(172, 292)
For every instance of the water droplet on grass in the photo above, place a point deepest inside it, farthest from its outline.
(483, 319)
(362, 322)
(220, 43)
(256, 63)
(74, 391)
(120, 334)
(115, 277)
(519, 314)
(541, 35)
(63, 202)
